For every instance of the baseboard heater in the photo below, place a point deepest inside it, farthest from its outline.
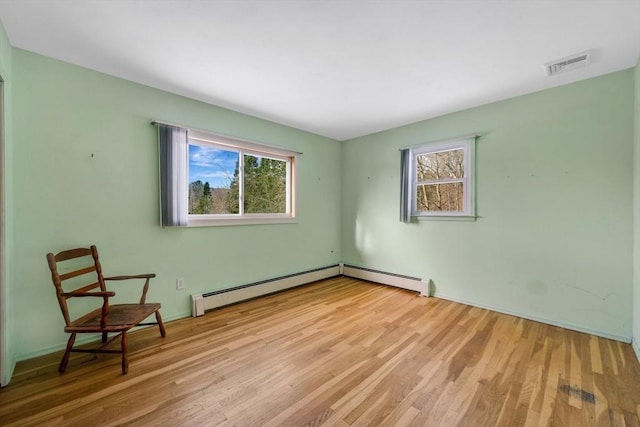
(210, 300)
(391, 279)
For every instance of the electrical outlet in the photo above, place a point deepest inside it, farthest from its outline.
(179, 283)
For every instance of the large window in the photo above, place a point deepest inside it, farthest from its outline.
(441, 179)
(208, 179)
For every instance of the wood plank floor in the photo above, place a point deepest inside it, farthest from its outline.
(335, 353)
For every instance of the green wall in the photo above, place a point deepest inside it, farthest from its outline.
(554, 237)
(636, 222)
(87, 172)
(7, 321)
(553, 242)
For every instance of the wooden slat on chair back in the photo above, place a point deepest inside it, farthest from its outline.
(58, 278)
(72, 253)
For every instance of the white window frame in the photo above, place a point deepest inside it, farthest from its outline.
(196, 137)
(468, 181)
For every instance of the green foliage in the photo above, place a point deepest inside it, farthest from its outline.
(232, 201)
(206, 200)
(265, 186)
(265, 190)
(196, 190)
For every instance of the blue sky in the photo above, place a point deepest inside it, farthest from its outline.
(211, 165)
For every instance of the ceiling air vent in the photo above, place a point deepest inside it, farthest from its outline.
(569, 63)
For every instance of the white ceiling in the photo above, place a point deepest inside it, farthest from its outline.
(336, 68)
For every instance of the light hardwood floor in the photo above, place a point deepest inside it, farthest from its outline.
(335, 353)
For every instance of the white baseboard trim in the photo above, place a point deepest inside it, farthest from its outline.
(86, 339)
(636, 347)
(202, 302)
(565, 325)
(382, 279)
(397, 280)
(9, 373)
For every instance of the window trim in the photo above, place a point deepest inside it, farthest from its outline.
(467, 144)
(243, 147)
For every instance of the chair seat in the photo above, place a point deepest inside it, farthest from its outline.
(121, 317)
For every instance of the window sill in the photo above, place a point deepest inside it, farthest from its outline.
(229, 221)
(444, 217)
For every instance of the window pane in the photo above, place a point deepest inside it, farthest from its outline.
(265, 185)
(213, 172)
(440, 165)
(440, 197)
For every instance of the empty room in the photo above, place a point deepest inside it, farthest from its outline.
(290, 213)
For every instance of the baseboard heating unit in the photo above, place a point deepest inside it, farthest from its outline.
(391, 279)
(210, 300)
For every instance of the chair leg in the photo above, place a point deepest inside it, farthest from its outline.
(163, 333)
(67, 353)
(104, 337)
(123, 344)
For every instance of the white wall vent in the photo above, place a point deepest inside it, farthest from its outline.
(569, 63)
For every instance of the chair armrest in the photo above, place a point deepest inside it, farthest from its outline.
(145, 288)
(105, 303)
(89, 294)
(137, 276)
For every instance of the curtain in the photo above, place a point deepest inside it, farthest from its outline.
(173, 148)
(405, 185)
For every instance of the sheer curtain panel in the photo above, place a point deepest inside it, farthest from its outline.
(173, 149)
(405, 185)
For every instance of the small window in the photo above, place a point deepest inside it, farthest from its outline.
(232, 180)
(442, 179)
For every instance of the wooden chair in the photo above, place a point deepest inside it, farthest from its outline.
(107, 319)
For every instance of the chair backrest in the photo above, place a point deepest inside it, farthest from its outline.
(79, 262)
